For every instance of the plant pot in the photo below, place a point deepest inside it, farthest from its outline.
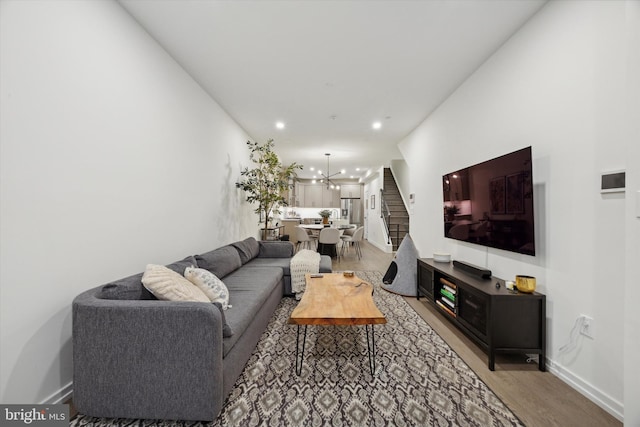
(325, 220)
(526, 284)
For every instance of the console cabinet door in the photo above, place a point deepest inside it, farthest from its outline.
(425, 281)
(473, 312)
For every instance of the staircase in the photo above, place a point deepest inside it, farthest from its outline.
(394, 213)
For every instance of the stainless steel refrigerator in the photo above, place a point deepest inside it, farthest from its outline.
(351, 210)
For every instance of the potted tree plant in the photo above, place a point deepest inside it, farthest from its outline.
(268, 181)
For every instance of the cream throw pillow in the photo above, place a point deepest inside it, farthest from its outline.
(167, 285)
(209, 284)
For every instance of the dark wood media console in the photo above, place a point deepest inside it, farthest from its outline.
(497, 319)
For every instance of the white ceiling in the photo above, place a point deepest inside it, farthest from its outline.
(329, 69)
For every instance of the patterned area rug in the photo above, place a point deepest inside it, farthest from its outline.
(419, 380)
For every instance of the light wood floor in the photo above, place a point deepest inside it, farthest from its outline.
(537, 398)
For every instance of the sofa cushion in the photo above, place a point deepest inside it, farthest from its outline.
(179, 266)
(168, 285)
(248, 288)
(226, 328)
(248, 249)
(283, 263)
(221, 261)
(275, 249)
(129, 288)
(209, 284)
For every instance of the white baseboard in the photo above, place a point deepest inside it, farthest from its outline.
(601, 399)
(384, 248)
(59, 396)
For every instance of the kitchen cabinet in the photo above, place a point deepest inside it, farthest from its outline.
(299, 197)
(330, 198)
(316, 196)
(350, 191)
(312, 196)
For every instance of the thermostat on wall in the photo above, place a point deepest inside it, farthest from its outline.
(612, 182)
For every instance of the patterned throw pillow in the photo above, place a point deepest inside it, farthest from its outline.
(168, 285)
(209, 284)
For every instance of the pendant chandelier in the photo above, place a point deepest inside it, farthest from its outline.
(326, 178)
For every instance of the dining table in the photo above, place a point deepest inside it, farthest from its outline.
(321, 226)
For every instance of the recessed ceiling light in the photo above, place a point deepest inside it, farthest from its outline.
(319, 171)
(351, 176)
(280, 125)
(377, 125)
(357, 169)
(312, 168)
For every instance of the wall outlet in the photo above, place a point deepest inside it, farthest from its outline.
(587, 327)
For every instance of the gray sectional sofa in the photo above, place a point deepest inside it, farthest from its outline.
(137, 357)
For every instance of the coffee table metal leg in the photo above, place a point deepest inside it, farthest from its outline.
(371, 349)
(304, 340)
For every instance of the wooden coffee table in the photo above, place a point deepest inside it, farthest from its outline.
(334, 299)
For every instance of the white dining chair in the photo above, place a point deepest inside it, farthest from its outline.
(304, 239)
(354, 240)
(328, 242)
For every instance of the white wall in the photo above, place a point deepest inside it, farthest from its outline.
(374, 227)
(112, 157)
(559, 85)
(632, 246)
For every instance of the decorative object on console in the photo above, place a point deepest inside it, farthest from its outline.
(526, 284)
(441, 257)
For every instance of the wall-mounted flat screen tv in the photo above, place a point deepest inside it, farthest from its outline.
(491, 203)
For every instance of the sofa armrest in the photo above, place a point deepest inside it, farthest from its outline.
(147, 359)
(275, 249)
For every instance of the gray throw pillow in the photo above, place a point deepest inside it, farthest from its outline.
(129, 288)
(179, 266)
(248, 249)
(221, 261)
(226, 329)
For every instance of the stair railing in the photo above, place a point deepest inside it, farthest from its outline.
(404, 223)
(385, 214)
